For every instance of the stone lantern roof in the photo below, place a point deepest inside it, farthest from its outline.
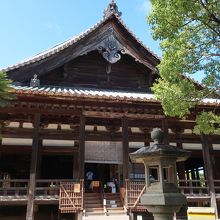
(158, 149)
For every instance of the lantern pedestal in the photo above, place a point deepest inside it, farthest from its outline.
(163, 206)
(162, 197)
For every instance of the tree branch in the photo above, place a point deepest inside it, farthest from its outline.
(213, 16)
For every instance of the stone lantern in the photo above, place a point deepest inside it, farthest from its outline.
(162, 197)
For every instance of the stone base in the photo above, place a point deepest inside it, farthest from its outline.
(163, 216)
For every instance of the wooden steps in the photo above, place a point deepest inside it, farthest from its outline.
(114, 204)
(93, 203)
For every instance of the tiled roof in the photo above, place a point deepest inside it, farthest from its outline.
(50, 91)
(72, 41)
(67, 92)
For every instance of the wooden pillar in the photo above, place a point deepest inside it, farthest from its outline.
(82, 147)
(75, 165)
(76, 161)
(0, 142)
(187, 175)
(193, 175)
(120, 181)
(197, 174)
(213, 160)
(1, 128)
(180, 165)
(39, 160)
(125, 148)
(33, 168)
(209, 170)
(165, 130)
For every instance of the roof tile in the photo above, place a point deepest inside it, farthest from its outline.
(94, 94)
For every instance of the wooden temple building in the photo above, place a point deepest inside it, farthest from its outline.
(81, 107)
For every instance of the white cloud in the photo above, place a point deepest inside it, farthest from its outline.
(145, 7)
(53, 27)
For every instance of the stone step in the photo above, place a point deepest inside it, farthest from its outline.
(93, 211)
(115, 211)
(104, 217)
(116, 208)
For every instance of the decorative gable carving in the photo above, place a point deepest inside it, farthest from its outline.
(110, 49)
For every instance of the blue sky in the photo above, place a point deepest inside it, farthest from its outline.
(29, 27)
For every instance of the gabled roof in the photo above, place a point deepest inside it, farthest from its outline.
(111, 21)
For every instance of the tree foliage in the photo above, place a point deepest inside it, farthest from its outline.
(189, 32)
(5, 89)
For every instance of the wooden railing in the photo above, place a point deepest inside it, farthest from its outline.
(19, 188)
(71, 196)
(197, 187)
(193, 187)
(50, 187)
(14, 187)
(133, 192)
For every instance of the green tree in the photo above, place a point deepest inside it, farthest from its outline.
(5, 89)
(189, 32)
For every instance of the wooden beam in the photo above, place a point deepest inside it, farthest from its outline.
(125, 143)
(50, 150)
(33, 168)
(81, 147)
(54, 134)
(112, 115)
(65, 119)
(209, 170)
(49, 111)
